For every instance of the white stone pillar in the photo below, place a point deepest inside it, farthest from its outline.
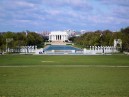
(54, 37)
(84, 50)
(63, 37)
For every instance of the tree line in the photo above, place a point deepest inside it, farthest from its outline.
(16, 40)
(97, 38)
(103, 38)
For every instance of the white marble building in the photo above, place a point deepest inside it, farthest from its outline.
(58, 36)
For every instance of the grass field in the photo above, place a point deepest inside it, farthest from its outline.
(64, 76)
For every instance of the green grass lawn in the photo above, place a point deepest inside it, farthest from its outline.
(18, 60)
(59, 80)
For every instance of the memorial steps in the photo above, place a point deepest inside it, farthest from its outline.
(58, 43)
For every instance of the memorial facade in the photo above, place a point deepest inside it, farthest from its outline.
(58, 36)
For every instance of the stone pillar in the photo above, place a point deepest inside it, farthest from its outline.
(52, 37)
(62, 37)
(84, 51)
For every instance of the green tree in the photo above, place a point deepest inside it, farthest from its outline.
(125, 38)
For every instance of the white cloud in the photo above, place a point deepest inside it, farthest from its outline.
(63, 13)
(24, 4)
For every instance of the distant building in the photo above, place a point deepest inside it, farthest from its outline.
(45, 33)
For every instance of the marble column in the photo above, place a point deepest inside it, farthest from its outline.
(55, 37)
(52, 37)
(61, 38)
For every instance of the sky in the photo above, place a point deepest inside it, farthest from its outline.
(49, 15)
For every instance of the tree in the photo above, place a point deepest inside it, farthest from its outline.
(125, 39)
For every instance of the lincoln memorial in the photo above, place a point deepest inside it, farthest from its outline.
(58, 36)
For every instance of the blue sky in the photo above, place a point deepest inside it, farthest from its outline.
(48, 15)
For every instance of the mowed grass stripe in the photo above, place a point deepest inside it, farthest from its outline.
(98, 66)
(19, 60)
